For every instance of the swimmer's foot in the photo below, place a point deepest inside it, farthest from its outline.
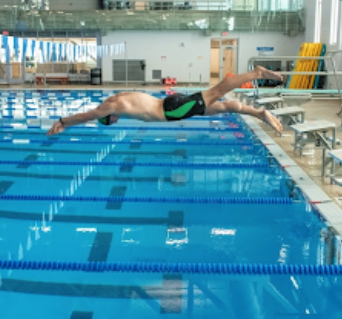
(263, 73)
(271, 120)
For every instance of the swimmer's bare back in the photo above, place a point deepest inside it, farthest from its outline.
(136, 105)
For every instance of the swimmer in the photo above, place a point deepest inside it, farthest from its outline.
(144, 107)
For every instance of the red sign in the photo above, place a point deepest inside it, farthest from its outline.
(224, 33)
(5, 33)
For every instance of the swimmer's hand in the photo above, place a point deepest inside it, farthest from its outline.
(56, 128)
(267, 117)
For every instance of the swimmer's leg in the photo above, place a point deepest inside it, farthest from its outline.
(214, 94)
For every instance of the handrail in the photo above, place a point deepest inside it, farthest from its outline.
(289, 58)
(330, 58)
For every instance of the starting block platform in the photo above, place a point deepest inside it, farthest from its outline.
(290, 115)
(322, 133)
(250, 96)
(270, 102)
(335, 157)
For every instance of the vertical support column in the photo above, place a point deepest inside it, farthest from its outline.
(126, 58)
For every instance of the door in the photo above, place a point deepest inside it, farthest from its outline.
(228, 60)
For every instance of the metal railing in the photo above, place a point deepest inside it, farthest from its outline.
(287, 22)
(239, 5)
(334, 72)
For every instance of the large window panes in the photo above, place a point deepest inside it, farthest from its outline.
(243, 5)
(80, 67)
(280, 5)
(34, 4)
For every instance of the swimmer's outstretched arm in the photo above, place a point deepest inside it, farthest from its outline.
(80, 118)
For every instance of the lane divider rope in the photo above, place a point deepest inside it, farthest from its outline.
(139, 164)
(179, 268)
(214, 143)
(154, 199)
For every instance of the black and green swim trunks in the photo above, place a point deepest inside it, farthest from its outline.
(180, 106)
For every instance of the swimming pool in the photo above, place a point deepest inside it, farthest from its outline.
(195, 192)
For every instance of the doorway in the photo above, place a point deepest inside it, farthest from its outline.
(224, 59)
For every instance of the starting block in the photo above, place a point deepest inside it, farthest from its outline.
(290, 115)
(335, 157)
(270, 102)
(321, 133)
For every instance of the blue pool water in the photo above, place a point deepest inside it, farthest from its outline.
(179, 189)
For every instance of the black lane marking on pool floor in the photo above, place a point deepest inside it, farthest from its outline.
(101, 246)
(116, 191)
(136, 145)
(31, 157)
(4, 186)
(174, 219)
(81, 315)
(181, 153)
(49, 142)
(169, 293)
(129, 165)
(89, 178)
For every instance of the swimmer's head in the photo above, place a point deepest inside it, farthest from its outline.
(108, 120)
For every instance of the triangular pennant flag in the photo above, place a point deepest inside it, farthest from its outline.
(5, 42)
(54, 52)
(48, 51)
(33, 48)
(10, 47)
(60, 53)
(74, 53)
(42, 51)
(24, 49)
(16, 48)
(71, 53)
(20, 46)
(64, 52)
(67, 52)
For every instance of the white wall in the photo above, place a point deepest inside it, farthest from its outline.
(248, 43)
(152, 45)
(310, 18)
(73, 5)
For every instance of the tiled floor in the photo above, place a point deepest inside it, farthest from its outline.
(311, 161)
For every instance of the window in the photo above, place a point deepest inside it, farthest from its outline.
(334, 21)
